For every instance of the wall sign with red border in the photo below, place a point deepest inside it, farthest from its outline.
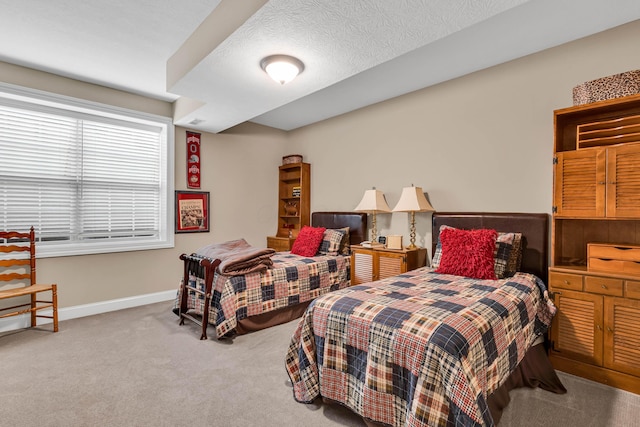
(193, 160)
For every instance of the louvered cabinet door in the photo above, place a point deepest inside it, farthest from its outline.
(391, 264)
(362, 266)
(577, 328)
(622, 335)
(623, 181)
(579, 181)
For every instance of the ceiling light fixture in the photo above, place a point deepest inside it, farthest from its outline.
(282, 68)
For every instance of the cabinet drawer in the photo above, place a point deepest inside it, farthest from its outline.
(632, 289)
(565, 281)
(280, 244)
(603, 285)
(614, 265)
(619, 252)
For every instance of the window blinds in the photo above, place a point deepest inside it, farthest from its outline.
(81, 180)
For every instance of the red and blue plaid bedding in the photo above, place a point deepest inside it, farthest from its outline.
(293, 279)
(419, 349)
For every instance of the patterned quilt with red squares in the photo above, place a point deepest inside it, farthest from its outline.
(419, 349)
(292, 280)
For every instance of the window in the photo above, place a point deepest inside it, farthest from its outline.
(88, 178)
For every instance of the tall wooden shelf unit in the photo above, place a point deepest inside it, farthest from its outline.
(294, 188)
(596, 332)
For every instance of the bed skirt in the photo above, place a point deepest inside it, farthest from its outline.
(272, 318)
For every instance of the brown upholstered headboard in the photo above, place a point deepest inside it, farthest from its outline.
(533, 226)
(356, 221)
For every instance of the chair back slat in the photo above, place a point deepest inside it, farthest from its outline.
(14, 248)
(14, 262)
(8, 277)
(14, 235)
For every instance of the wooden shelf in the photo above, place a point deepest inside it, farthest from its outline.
(596, 200)
(609, 132)
(567, 120)
(292, 176)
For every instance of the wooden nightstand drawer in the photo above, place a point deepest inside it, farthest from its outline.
(565, 281)
(603, 285)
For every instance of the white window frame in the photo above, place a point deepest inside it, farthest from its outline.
(12, 94)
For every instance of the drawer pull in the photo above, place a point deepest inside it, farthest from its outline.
(604, 286)
(566, 282)
(622, 248)
(598, 327)
(609, 329)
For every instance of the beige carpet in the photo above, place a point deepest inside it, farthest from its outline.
(137, 367)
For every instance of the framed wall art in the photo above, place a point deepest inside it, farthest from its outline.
(192, 211)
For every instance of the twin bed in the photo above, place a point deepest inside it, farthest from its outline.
(431, 349)
(237, 304)
(426, 348)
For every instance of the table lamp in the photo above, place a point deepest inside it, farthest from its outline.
(373, 202)
(412, 200)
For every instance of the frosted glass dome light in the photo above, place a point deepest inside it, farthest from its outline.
(282, 68)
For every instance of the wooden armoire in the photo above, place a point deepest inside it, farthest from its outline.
(594, 276)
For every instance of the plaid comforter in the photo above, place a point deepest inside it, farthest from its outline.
(419, 349)
(293, 279)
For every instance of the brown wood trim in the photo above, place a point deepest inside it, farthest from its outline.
(596, 373)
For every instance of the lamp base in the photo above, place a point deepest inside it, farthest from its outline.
(412, 247)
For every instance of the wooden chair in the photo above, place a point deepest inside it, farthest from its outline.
(18, 269)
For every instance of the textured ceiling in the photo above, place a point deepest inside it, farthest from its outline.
(206, 54)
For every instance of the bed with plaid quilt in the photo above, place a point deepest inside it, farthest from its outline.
(418, 349)
(292, 280)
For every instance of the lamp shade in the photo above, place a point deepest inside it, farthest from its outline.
(373, 201)
(412, 200)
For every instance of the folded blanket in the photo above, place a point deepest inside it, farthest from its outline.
(238, 257)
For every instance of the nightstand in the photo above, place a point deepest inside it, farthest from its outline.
(280, 244)
(370, 264)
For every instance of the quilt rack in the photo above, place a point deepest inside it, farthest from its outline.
(198, 266)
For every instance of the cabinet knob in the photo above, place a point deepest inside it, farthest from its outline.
(598, 327)
(566, 282)
(604, 286)
(601, 182)
(609, 329)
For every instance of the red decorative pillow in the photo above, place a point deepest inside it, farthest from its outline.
(468, 253)
(308, 241)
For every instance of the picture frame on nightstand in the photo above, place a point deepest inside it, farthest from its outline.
(394, 242)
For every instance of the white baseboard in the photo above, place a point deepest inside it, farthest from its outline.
(24, 321)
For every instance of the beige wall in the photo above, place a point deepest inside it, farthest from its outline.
(482, 142)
